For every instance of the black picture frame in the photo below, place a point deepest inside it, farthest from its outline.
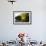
(22, 23)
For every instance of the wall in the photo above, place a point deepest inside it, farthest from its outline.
(9, 31)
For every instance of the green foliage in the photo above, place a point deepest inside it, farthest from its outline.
(23, 17)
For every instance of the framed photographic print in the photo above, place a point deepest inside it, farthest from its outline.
(22, 17)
